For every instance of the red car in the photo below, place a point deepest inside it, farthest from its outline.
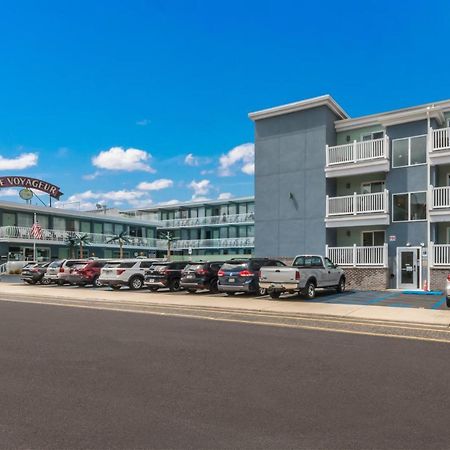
(86, 273)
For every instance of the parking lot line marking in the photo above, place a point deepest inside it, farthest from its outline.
(439, 303)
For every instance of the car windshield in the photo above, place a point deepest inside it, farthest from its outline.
(158, 268)
(123, 265)
(55, 264)
(193, 267)
(238, 265)
(74, 263)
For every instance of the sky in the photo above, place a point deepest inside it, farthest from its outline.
(133, 103)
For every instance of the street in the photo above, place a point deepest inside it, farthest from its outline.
(79, 378)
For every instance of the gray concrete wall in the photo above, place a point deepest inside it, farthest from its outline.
(290, 184)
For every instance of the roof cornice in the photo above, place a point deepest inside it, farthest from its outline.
(323, 100)
(415, 113)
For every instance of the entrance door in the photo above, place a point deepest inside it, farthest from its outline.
(408, 268)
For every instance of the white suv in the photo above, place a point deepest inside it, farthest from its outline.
(126, 272)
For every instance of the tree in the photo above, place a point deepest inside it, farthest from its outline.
(71, 242)
(121, 239)
(82, 240)
(168, 236)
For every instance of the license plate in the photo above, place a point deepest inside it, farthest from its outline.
(191, 275)
(231, 280)
(151, 280)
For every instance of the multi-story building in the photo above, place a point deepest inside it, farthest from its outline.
(210, 228)
(372, 192)
(17, 241)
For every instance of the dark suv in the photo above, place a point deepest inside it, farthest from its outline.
(164, 275)
(201, 275)
(34, 273)
(242, 275)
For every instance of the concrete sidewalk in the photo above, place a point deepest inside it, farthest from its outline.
(289, 305)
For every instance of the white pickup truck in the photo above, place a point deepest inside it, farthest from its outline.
(307, 273)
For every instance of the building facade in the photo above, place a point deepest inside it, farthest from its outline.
(373, 192)
(209, 229)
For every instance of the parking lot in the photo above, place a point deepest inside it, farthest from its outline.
(388, 298)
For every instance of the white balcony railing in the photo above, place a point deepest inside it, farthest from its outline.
(358, 204)
(209, 220)
(440, 139)
(60, 236)
(355, 152)
(248, 242)
(440, 197)
(359, 256)
(440, 255)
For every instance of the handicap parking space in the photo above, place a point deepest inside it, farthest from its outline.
(383, 298)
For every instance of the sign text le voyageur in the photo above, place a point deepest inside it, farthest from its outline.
(31, 183)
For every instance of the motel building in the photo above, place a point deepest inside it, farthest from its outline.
(370, 192)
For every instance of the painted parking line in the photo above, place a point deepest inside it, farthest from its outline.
(439, 303)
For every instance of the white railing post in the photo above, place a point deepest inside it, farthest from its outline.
(431, 254)
(327, 206)
(327, 158)
(355, 156)
(354, 255)
(326, 251)
(430, 197)
(385, 255)
(386, 146)
(355, 203)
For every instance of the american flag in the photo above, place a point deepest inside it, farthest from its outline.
(36, 231)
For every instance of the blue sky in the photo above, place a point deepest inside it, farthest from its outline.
(176, 78)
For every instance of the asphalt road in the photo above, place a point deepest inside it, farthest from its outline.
(78, 378)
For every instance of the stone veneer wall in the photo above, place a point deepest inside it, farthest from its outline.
(367, 278)
(438, 279)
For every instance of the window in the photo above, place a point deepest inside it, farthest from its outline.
(409, 206)
(372, 186)
(372, 238)
(409, 151)
(308, 261)
(24, 220)
(329, 264)
(372, 136)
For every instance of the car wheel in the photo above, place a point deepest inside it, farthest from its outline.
(136, 283)
(115, 287)
(310, 290)
(96, 282)
(213, 287)
(341, 286)
(192, 291)
(60, 283)
(45, 281)
(174, 286)
(230, 294)
(262, 291)
(274, 294)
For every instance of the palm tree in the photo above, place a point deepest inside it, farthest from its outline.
(121, 239)
(168, 236)
(71, 243)
(82, 240)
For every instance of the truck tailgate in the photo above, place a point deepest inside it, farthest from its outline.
(278, 275)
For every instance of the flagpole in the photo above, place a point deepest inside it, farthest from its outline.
(34, 241)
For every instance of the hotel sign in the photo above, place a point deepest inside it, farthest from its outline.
(31, 183)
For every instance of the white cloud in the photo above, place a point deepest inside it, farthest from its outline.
(92, 176)
(22, 161)
(170, 202)
(9, 192)
(195, 161)
(88, 199)
(206, 172)
(143, 122)
(156, 185)
(225, 196)
(200, 188)
(129, 160)
(240, 158)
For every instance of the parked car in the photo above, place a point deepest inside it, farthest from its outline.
(65, 268)
(242, 275)
(162, 275)
(86, 273)
(202, 275)
(116, 274)
(51, 274)
(33, 273)
(307, 273)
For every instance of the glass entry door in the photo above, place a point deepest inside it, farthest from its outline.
(408, 267)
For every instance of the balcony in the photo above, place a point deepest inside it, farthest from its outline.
(230, 219)
(440, 255)
(440, 146)
(356, 256)
(357, 158)
(58, 237)
(248, 242)
(439, 201)
(358, 210)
